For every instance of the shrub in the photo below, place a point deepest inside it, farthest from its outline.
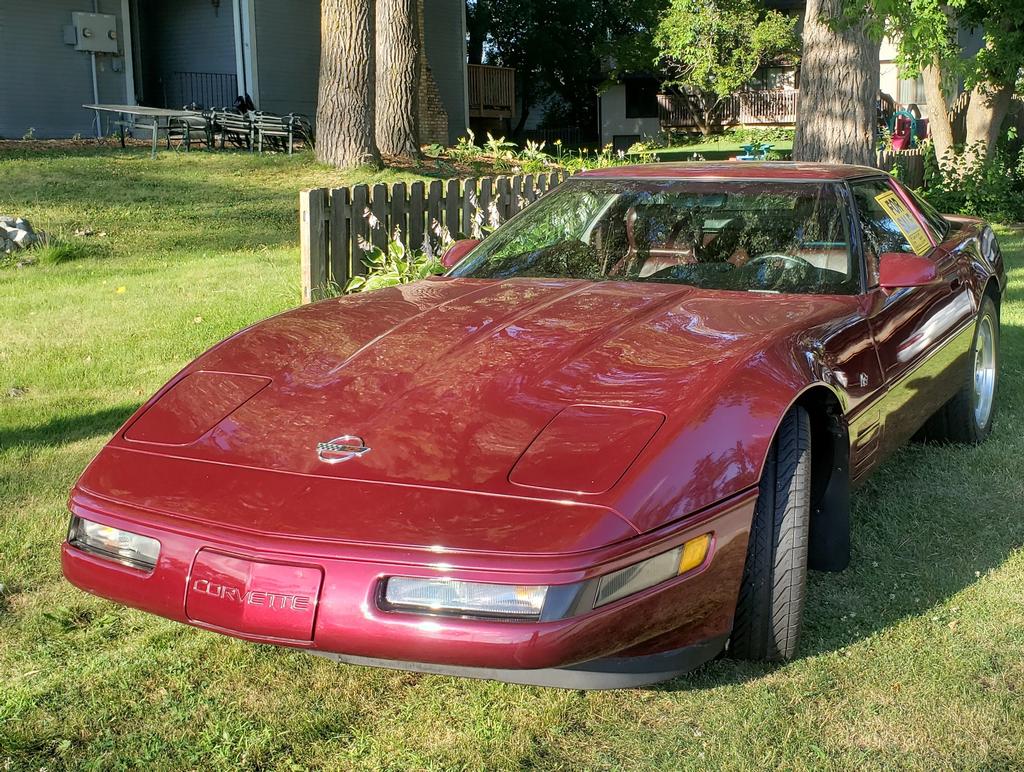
(393, 265)
(992, 188)
(744, 135)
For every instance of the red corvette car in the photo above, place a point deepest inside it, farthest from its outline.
(602, 449)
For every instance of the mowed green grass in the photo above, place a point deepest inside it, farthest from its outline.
(914, 657)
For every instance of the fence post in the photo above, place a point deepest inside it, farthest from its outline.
(380, 235)
(340, 259)
(398, 214)
(360, 228)
(313, 242)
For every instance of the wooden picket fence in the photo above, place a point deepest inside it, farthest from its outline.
(336, 223)
(907, 165)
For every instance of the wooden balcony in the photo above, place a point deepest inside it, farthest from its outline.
(492, 91)
(747, 108)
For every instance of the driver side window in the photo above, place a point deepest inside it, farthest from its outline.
(879, 230)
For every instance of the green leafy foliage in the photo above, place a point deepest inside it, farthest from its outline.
(534, 157)
(991, 187)
(713, 47)
(928, 29)
(564, 49)
(765, 135)
(499, 147)
(393, 265)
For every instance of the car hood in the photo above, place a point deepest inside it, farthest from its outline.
(522, 390)
(449, 381)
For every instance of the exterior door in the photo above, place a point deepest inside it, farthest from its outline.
(921, 334)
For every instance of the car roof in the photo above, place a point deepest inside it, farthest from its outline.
(739, 170)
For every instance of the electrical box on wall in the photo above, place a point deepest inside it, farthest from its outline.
(96, 32)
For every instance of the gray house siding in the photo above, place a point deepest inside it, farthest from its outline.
(444, 27)
(183, 36)
(46, 81)
(287, 39)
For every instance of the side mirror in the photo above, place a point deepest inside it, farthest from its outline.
(897, 269)
(457, 251)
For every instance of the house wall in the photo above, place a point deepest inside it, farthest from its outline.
(889, 77)
(613, 117)
(433, 117)
(444, 29)
(183, 36)
(287, 41)
(46, 81)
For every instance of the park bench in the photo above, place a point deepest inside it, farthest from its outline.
(280, 131)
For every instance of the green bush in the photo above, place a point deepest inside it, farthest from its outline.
(992, 188)
(396, 264)
(744, 135)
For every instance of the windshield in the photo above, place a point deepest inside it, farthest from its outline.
(741, 235)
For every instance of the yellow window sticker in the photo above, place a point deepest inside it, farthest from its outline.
(905, 221)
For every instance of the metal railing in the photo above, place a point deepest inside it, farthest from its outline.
(205, 89)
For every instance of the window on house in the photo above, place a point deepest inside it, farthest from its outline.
(641, 99)
(911, 91)
(770, 78)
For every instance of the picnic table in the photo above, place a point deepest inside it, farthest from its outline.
(159, 117)
(755, 151)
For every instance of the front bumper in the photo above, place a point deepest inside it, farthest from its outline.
(650, 636)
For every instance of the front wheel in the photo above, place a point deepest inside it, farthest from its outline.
(771, 601)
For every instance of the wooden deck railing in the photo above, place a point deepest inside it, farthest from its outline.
(750, 108)
(492, 91)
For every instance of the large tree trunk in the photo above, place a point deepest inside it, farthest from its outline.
(836, 113)
(985, 113)
(398, 77)
(939, 125)
(344, 115)
(707, 121)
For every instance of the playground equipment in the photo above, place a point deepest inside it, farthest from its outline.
(903, 129)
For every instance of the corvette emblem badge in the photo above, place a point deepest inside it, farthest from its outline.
(340, 449)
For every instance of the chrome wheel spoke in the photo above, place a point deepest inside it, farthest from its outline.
(984, 371)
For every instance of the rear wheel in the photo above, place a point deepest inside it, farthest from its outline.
(967, 417)
(771, 602)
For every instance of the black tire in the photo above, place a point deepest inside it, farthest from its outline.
(771, 601)
(957, 420)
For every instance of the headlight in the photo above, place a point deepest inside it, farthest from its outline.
(130, 549)
(652, 571)
(452, 596)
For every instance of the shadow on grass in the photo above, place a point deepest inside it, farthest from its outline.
(927, 524)
(66, 429)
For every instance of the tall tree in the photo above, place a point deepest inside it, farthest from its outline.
(398, 77)
(563, 49)
(836, 117)
(928, 35)
(346, 100)
(712, 48)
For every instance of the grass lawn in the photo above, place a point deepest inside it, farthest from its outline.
(715, 148)
(914, 657)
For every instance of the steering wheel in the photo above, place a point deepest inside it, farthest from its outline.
(791, 259)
